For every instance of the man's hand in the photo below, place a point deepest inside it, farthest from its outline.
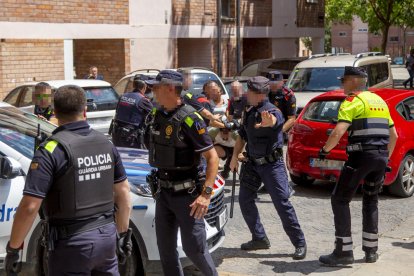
(234, 164)
(199, 207)
(124, 246)
(216, 117)
(12, 265)
(268, 120)
(322, 154)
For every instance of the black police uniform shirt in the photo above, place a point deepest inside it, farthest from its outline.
(198, 105)
(285, 100)
(133, 108)
(44, 112)
(195, 136)
(236, 107)
(46, 166)
(255, 111)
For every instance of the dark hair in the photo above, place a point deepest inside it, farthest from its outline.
(138, 84)
(209, 82)
(178, 89)
(42, 86)
(69, 101)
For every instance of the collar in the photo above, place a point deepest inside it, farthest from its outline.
(169, 113)
(74, 126)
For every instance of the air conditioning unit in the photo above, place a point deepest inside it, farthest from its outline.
(312, 1)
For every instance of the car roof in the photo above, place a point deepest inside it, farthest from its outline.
(81, 83)
(385, 93)
(4, 104)
(340, 61)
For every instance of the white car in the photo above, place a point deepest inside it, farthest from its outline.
(101, 99)
(17, 132)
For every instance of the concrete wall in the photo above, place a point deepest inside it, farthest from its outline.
(359, 36)
(285, 47)
(157, 53)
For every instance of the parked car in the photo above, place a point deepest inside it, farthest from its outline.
(320, 73)
(17, 132)
(398, 61)
(102, 99)
(261, 67)
(125, 84)
(318, 119)
(228, 81)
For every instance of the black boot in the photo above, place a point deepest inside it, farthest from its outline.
(371, 257)
(337, 260)
(300, 253)
(256, 244)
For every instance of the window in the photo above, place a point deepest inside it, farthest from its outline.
(13, 96)
(342, 33)
(394, 38)
(101, 98)
(324, 111)
(315, 79)
(406, 109)
(363, 30)
(27, 96)
(377, 73)
(250, 71)
(226, 9)
(280, 65)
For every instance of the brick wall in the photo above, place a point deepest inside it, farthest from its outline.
(74, 11)
(111, 56)
(27, 60)
(204, 12)
(195, 52)
(310, 15)
(256, 48)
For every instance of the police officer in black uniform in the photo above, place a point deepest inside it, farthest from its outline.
(178, 137)
(79, 185)
(371, 141)
(129, 123)
(262, 131)
(43, 101)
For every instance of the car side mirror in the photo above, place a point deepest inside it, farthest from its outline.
(9, 168)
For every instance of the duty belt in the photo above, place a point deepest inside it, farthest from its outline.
(360, 148)
(177, 185)
(271, 158)
(62, 232)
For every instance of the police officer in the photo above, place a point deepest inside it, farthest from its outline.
(178, 137)
(283, 98)
(262, 131)
(78, 185)
(129, 122)
(371, 141)
(42, 98)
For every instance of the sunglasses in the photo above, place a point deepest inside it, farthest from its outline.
(44, 96)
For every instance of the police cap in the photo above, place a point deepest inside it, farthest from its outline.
(258, 84)
(167, 77)
(274, 76)
(354, 71)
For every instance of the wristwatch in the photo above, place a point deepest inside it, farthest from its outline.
(208, 190)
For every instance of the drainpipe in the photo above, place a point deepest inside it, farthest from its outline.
(238, 60)
(219, 38)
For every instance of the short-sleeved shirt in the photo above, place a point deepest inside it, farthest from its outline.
(47, 166)
(285, 100)
(44, 112)
(196, 103)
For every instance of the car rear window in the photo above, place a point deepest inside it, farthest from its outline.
(322, 111)
(101, 98)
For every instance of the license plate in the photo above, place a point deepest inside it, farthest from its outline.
(222, 219)
(326, 163)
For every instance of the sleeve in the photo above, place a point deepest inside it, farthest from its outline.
(349, 109)
(119, 170)
(230, 108)
(40, 175)
(280, 120)
(242, 132)
(291, 106)
(145, 105)
(195, 131)
(189, 99)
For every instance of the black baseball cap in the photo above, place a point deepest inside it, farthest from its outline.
(167, 77)
(258, 84)
(354, 71)
(274, 76)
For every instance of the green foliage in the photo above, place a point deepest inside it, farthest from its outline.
(307, 42)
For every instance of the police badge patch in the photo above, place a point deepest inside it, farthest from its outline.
(200, 129)
(168, 130)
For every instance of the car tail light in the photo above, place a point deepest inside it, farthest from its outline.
(301, 128)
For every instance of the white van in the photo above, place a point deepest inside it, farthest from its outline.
(320, 73)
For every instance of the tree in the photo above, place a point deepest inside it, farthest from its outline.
(405, 21)
(379, 14)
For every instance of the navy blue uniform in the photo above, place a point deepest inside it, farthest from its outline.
(199, 103)
(236, 107)
(97, 246)
(47, 112)
(172, 208)
(285, 100)
(264, 150)
(128, 124)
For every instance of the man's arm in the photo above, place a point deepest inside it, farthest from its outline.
(24, 218)
(238, 147)
(122, 200)
(393, 141)
(335, 136)
(289, 123)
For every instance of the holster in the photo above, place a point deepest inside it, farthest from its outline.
(248, 177)
(49, 236)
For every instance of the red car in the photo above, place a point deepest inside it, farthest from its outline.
(318, 119)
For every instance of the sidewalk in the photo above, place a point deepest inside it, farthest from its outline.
(396, 255)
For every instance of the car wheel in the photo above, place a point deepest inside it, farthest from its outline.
(301, 180)
(133, 265)
(403, 186)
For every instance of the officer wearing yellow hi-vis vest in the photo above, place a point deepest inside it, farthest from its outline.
(371, 141)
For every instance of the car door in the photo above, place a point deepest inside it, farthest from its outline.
(26, 99)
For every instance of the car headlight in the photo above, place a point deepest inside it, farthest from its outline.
(139, 186)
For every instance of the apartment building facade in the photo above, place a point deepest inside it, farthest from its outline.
(355, 38)
(50, 39)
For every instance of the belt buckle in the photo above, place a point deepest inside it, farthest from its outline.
(260, 161)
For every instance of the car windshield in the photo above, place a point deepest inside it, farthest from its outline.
(322, 111)
(315, 79)
(18, 129)
(199, 79)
